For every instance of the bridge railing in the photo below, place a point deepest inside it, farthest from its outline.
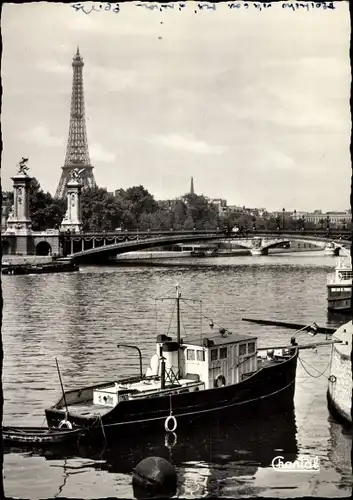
(233, 234)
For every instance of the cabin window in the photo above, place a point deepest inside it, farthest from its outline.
(190, 355)
(251, 347)
(200, 355)
(223, 353)
(214, 354)
(242, 349)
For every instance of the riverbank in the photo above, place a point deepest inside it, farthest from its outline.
(168, 254)
(143, 255)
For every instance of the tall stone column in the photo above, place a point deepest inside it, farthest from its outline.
(19, 221)
(72, 220)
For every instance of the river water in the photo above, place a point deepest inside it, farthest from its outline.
(80, 317)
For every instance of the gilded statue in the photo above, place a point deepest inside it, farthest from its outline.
(22, 166)
(76, 174)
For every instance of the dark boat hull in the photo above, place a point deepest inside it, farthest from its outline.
(339, 301)
(270, 390)
(31, 436)
(44, 269)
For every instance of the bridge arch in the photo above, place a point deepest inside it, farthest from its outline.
(274, 244)
(43, 248)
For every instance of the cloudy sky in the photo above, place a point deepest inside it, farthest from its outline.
(254, 105)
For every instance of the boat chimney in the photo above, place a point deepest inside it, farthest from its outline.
(162, 372)
(178, 326)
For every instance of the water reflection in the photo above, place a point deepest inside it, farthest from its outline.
(208, 458)
(341, 453)
(337, 319)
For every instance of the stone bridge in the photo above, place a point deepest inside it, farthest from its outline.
(260, 245)
(93, 247)
(104, 246)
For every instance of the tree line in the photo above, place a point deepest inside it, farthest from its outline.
(136, 209)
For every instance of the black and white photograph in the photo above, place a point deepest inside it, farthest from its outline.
(176, 235)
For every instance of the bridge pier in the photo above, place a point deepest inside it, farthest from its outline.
(19, 238)
(259, 251)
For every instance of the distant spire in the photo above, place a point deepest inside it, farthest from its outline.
(78, 51)
(192, 190)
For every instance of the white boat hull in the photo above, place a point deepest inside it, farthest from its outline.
(340, 377)
(339, 286)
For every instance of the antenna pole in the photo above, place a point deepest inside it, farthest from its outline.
(178, 325)
(61, 383)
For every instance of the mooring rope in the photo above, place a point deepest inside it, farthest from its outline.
(320, 374)
(171, 318)
(170, 405)
(101, 422)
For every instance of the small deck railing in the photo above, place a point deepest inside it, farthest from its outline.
(335, 279)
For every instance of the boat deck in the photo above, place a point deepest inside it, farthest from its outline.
(146, 386)
(141, 389)
(87, 409)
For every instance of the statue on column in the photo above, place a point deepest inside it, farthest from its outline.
(75, 175)
(22, 166)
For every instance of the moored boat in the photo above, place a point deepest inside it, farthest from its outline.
(339, 285)
(48, 268)
(224, 373)
(29, 436)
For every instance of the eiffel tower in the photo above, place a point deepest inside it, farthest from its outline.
(77, 155)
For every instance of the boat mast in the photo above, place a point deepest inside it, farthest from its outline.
(178, 326)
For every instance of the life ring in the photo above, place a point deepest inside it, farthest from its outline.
(332, 378)
(170, 440)
(172, 419)
(65, 423)
(220, 381)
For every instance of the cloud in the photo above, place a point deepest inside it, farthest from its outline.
(41, 135)
(51, 66)
(190, 144)
(99, 154)
(109, 79)
(277, 160)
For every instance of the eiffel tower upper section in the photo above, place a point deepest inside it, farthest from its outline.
(77, 155)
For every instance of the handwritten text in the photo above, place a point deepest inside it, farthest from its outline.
(97, 7)
(88, 7)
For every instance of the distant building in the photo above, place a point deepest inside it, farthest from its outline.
(220, 204)
(235, 208)
(260, 212)
(318, 217)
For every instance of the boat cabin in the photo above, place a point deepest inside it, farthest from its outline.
(215, 361)
(343, 272)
